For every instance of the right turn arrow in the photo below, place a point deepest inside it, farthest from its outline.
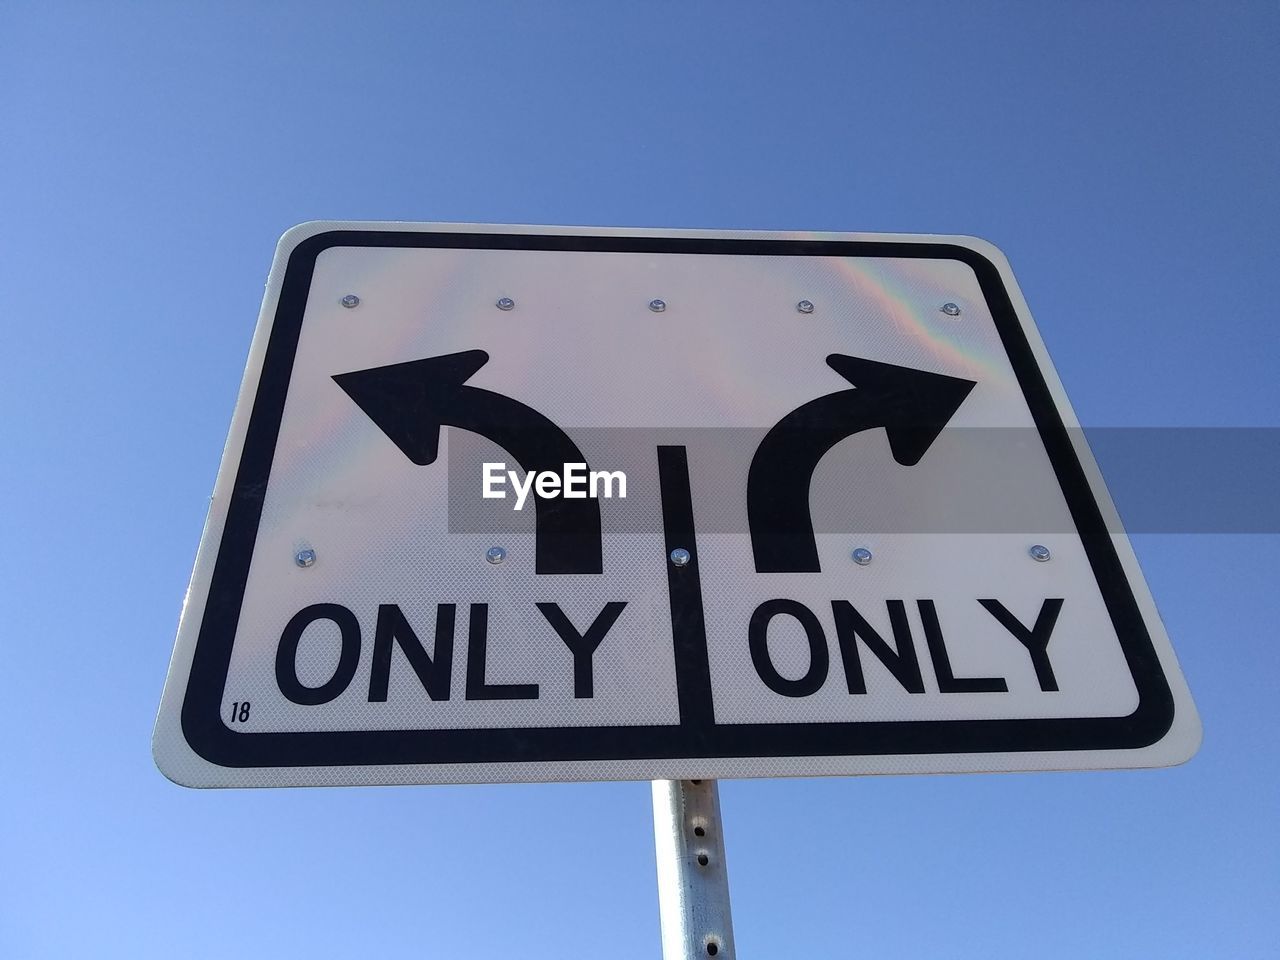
(911, 405)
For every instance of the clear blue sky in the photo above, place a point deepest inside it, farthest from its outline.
(1124, 156)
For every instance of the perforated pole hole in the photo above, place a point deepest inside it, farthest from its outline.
(713, 948)
(703, 859)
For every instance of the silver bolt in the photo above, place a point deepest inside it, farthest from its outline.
(805, 306)
(951, 309)
(495, 555)
(350, 300)
(862, 556)
(505, 303)
(305, 558)
(1040, 552)
(680, 557)
(657, 306)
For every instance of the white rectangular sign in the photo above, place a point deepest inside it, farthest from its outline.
(546, 503)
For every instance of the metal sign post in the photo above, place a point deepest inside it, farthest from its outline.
(798, 505)
(693, 879)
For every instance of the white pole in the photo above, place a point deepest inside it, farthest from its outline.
(693, 882)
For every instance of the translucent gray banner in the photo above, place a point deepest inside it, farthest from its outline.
(1163, 480)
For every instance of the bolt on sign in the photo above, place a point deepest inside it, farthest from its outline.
(547, 503)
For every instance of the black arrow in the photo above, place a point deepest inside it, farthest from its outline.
(912, 405)
(411, 401)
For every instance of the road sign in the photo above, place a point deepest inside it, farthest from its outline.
(536, 503)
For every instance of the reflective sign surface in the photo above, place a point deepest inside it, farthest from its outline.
(549, 503)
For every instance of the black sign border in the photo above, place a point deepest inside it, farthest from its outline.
(696, 736)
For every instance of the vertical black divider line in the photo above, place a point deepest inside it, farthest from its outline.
(688, 627)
